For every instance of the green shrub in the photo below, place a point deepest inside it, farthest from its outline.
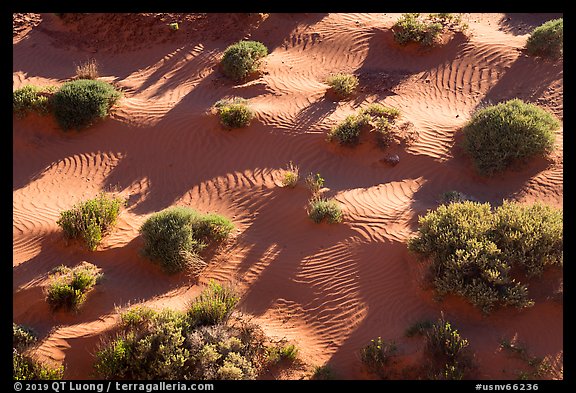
(321, 208)
(282, 353)
(174, 237)
(377, 117)
(376, 356)
(69, 287)
(513, 131)
(22, 337)
(323, 373)
(213, 306)
(547, 40)
(314, 182)
(92, 219)
(26, 368)
(343, 85)
(448, 352)
(242, 59)
(31, 98)
(411, 28)
(291, 175)
(234, 112)
(80, 103)
(472, 249)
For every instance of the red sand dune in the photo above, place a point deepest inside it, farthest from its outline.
(328, 288)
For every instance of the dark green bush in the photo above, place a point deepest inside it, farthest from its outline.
(90, 220)
(343, 85)
(174, 237)
(31, 98)
(472, 249)
(70, 285)
(321, 208)
(242, 59)
(234, 112)
(547, 40)
(510, 132)
(376, 356)
(80, 103)
(213, 306)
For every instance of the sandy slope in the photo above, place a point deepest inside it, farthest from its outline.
(330, 289)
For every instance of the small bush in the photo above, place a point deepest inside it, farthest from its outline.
(376, 356)
(444, 343)
(282, 353)
(26, 368)
(454, 196)
(88, 70)
(320, 209)
(473, 249)
(22, 337)
(213, 306)
(174, 237)
(314, 182)
(80, 103)
(411, 28)
(323, 373)
(70, 286)
(242, 59)
(291, 175)
(92, 219)
(31, 98)
(511, 132)
(347, 132)
(234, 113)
(547, 40)
(343, 85)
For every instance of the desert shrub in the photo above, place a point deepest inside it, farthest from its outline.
(282, 353)
(447, 351)
(538, 368)
(69, 286)
(26, 368)
(547, 40)
(92, 219)
(343, 85)
(323, 373)
(472, 249)
(314, 182)
(320, 209)
(31, 98)
(167, 344)
(214, 305)
(22, 337)
(453, 196)
(347, 132)
(291, 175)
(376, 117)
(529, 236)
(376, 356)
(242, 59)
(80, 103)
(498, 136)
(174, 237)
(411, 27)
(234, 112)
(87, 70)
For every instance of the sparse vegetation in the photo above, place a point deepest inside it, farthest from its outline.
(32, 98)
(234, 112)
(472, 249)
(174, 237)
(510, 132)
(547, 40)
(314, 182)
(213, 306)
(375, 117)
(376, 356)
(282, 352)
(91, 220)
(242, 59)
(291, 175)
(538, 368)
(320, 209)
(454, 196)
(411, 27)
(24, 366)
(69, 286)
(343, 85)
(323, 373)
(88, 70)
(418, 328)
(168, 344)
(80, 103)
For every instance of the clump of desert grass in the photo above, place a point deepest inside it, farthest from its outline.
(175, 237)
(343, 85)
(88, 70)
(413, 27)
(69, 287)
(91, 220)
(291, 175)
